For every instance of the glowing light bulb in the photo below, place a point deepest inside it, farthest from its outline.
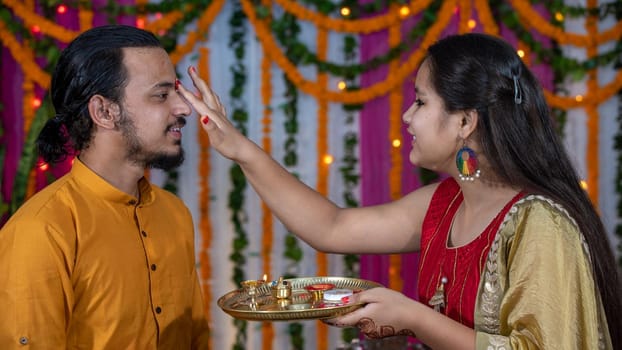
(36, 29)
(44, 166)
(327, 159)
(559, 17)
(61, 9)
(140, 23)
(396, 143)
(520, 53)
(36, 102)
(583, 184)
(404, 11)
(578, 98)
(345, 11)
(342, 85)
(472, 24)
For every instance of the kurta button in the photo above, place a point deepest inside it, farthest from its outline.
(153, 267)
(158, 310)
(23, 340)
(143, 233)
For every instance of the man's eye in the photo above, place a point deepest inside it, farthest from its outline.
(418, 102)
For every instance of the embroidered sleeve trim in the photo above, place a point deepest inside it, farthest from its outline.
(492, 293)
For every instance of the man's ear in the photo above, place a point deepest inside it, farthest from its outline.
(470, 118)
(104, 113)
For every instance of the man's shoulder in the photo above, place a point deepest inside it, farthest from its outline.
(46, 204)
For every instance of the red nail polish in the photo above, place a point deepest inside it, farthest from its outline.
(345, 300)
(177, 83)
(204, 119)
(193, 69)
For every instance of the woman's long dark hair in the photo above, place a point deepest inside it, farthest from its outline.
(481, 72)
(92, 64)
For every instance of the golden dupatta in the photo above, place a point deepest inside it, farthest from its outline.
(537, 290)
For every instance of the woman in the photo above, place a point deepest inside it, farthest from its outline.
(513, 255)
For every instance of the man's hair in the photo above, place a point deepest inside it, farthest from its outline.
(92, 64)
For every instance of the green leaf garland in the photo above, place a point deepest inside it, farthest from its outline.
(239, 116)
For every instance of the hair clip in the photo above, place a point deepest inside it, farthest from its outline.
(518, 94)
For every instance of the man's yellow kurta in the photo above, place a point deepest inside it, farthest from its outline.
(86, 266)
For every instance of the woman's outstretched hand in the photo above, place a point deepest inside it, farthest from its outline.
(386, 313)
(223, 135)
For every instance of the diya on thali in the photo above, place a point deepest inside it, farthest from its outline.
(293, 299)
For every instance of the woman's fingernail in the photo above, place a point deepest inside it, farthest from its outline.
(177, 83)
(204, 119)
(192, 69)
(345, 300)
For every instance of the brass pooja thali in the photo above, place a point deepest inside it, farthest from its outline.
(293, 299)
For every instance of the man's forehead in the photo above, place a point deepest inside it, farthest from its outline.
(148, 65)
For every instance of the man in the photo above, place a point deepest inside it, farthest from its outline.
(101, 258)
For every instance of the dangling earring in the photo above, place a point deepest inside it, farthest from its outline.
(466, 161)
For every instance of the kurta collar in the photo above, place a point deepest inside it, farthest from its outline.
(104, 189)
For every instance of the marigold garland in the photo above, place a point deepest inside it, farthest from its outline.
(597, 96)
(323, 167)
(28, 111)
(485, 17)
(46, 26)
(164, 23)
(267, 222)
(202, 27)
(23, 55)
(85, 17)
(28, 114)
(141, 18)
(205, 224)
(363, 26)
(527, 57)
(31, 186)
(465, 16)
(396, 100)
(348, 97)
(591, 110)
(534, 19)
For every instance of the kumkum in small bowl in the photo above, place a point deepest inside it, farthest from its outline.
(318, 289)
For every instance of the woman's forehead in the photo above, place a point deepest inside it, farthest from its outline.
(422, 79)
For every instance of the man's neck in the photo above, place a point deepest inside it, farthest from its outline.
(117, 172)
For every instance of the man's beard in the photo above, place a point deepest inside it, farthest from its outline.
(136, 153)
